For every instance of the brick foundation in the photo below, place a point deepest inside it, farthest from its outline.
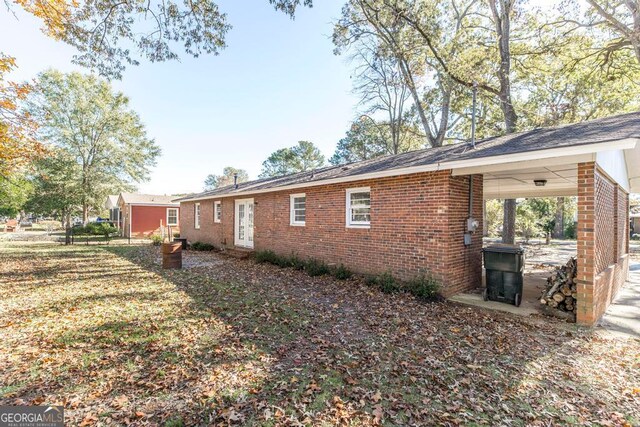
(603, 242)
(417, 226)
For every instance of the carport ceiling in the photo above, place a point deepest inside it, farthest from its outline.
(561, 180)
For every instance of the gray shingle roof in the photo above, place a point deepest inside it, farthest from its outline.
(112, 200)
(612, 128)
(147, 199)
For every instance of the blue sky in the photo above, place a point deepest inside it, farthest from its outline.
(276, 83)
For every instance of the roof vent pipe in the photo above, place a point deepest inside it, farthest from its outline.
(235, 180)
(474, 91)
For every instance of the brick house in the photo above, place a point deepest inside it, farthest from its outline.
(142, 215)
(422, 211)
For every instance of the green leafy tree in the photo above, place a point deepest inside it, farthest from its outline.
(493, 217)
(367, 139)
(563, 87)
(527, 222)
(300, 158)
(56, 189)
(544, 209)
(14, 194)
(373, 26)
(614, 24)
(227, 178)
(98, 133)
(364, 140)
(112, 35)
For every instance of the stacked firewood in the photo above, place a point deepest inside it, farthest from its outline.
(560, 292)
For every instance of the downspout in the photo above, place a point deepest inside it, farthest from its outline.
(470, 229)
(130, 221)
(470, 196)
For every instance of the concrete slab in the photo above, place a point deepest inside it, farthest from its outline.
(534, 284)
(476, 300)
(540, 262)
(623, 315)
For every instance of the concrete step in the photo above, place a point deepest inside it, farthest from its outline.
(240, 253)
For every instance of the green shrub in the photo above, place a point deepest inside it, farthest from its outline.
(371, 280)
(273, 258)
(342, 273)
(156, 240)
(176, 235)
(95, 229)
(387, 283)
(315, 267)
(174, 422)
(282, 261)
(265, 256)
(296, 262)
(202, 246)
(570, 230)
(424, 287)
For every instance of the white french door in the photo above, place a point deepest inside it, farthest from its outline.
(243, 228)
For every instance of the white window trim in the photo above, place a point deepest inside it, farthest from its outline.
(196, 216)
(215, 211)
(177, 216)
(292, 215)
(356, 224)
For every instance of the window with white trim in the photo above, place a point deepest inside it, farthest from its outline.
(172, 216)
(217, 211)
(359, 207)
(196, 215)
(298, 209)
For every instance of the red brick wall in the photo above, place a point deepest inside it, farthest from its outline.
(417, 225)
(603, 241)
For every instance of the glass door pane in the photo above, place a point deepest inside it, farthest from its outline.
(250, 225)
(241, 222)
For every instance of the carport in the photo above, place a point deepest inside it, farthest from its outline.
(601, 166)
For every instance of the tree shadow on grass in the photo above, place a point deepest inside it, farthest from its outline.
(242, 343)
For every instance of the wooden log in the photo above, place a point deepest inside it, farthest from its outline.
(553, 289)
(558, 297)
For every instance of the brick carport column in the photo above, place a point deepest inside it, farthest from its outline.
(586, 243)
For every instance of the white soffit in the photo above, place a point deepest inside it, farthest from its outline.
(561, 180)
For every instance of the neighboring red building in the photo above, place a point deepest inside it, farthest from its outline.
(145, 214)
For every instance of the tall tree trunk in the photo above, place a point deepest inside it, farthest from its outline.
(502, 18)
(85, 213)
(509, 222)
(408, 76)
(558, 229)
(485, 226)
(67, 229)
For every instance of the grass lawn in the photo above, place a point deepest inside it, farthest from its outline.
(106, 332)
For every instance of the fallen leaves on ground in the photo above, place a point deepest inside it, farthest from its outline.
(118, 341)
